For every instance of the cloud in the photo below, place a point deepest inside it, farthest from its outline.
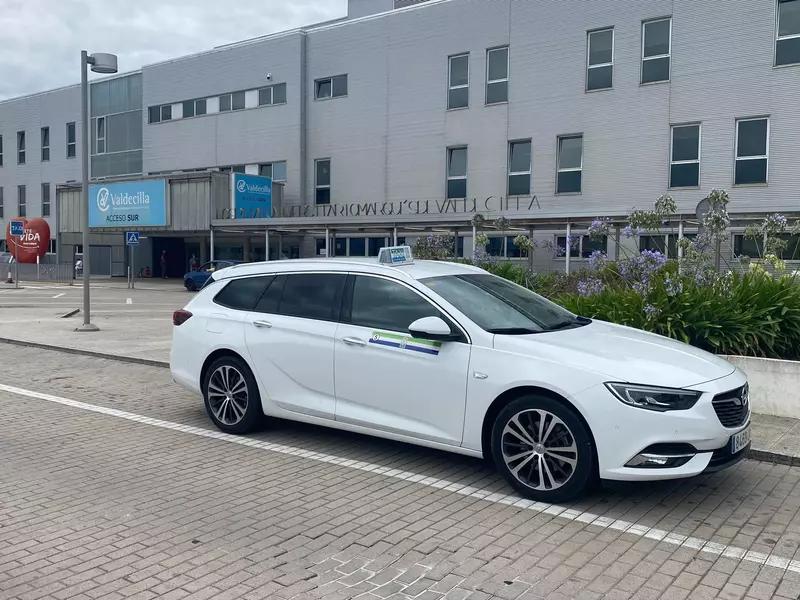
(42, 39)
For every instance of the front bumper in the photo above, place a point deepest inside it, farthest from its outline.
(623, 432)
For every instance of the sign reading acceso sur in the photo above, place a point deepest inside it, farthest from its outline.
(251, 196)
(141, 203)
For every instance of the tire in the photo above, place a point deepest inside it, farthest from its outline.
(519, 454)
(190, 285)
(231, 397)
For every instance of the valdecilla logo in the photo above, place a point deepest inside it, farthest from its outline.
(241, 186)
(102, 199)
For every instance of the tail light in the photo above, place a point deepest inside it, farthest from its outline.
(179, 317)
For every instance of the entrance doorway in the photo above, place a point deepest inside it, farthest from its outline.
(175, 249)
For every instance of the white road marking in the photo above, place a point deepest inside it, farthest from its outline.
(661, 535)
(59, 295)
(128, 300)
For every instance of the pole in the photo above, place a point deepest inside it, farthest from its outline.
(394, 236)
(211, 248)
(680, 246)
(568, 247)
(87, 323)
(266, 244)
(133, 268)
(16, 271)
(327, 243)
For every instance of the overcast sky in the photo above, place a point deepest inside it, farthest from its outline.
(42, 39)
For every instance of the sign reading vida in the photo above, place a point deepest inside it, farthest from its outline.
(251, 196)
(141, 203)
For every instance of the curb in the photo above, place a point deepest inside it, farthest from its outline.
(773, 457)
(117, 357)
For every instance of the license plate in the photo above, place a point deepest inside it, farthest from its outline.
(740, 440)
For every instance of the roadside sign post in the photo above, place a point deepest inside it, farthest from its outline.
(131, 240)
(17, 229)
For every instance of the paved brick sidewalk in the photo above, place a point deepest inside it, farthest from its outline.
(96, 506)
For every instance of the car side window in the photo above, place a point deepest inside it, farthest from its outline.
(244, 293)
(310, 296)
(383, 304)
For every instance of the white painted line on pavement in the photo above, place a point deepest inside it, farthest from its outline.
(59, 295)
(128, 300)
(661, 535)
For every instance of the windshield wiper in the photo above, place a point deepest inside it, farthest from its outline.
(513, 330)
(576, 322)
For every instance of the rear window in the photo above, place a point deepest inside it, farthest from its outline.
(243, 294)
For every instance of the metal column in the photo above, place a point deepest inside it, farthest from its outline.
(266, 244)
(568, 247)
(211, 246)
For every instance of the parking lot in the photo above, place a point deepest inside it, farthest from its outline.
(113, 484)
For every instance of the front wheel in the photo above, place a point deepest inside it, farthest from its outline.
(543, 449)
(231, 395)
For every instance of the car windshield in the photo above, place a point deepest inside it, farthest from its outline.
(499, 306)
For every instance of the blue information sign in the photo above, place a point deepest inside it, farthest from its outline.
(251, 196)
(132, 238)
(18, 228)
(142, 203)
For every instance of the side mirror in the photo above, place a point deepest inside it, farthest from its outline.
(432, 328)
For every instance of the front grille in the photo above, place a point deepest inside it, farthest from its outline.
(732, 407)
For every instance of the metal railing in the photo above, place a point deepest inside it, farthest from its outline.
(43, 272)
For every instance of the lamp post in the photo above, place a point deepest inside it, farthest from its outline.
(100, 63)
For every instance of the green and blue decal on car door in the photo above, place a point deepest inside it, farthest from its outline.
(405, 342)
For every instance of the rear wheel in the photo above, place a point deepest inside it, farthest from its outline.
(231, 395)
(543, 449)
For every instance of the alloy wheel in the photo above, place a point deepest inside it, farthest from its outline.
(539, 449)
(227, 395)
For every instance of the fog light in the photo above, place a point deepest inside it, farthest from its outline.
(658, 461)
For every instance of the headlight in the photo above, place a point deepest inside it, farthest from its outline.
(649, 397)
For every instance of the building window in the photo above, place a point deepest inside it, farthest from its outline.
(100, 135)
(581, 246)
(330, 87)
(497, 75)
(154, 114)
(457, 172)
(570, 164)
(656, 50)
(71, 139)
(787, 46)
(684, 167)
(45, 199)
(20, 147)
(237, 101)
(274, 170)
(600, 59)
(22, 202)
(752, 151)
(519, 168)
(45, 144)
(166, 112)
(666, 244)
(458, 81)
(273, 94)
(322, 181)
(188, 108)
(744, 245)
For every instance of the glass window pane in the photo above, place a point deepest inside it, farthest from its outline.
(457, 188)
(574, 250)
(265, 96)
(789, 17)
(265, 170)
(459, 70)
(340, 85)
(685, 142)
(519, 185)
(569, 182)
(458, 98)
(752, 138)
(655, 70)
(242, 294)
(340, 247)
(511, 248)
(188, 108)
(313, 296)
(166, 112)
(498, 64)
(601, 47)
(590, 245)
(324, 88)
(495, 246)
(656, 38)
(792, 250)
(687, 175)
(787, 52)
(358, 246)
(600, 78)
(520, 159)
(323, 172)
(153, 115)
(751, 171)
(570, 152)
(45, 136)
(457, 162)
(224, 102)
(200, 106)
(279, 171)
(323, 196)
(279, 93)
(383, 304)
(497, 92)
(653, 243)
(746, 246)
(71, 132)
(237, 100)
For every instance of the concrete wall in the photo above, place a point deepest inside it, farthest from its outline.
(773, 385)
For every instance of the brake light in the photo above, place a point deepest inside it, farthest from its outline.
(179, 317)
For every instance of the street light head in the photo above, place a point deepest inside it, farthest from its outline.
(103, 63)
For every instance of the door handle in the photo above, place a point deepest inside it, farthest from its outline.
(354, 341)
(262, 323)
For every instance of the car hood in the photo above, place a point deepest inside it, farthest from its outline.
(621, 354)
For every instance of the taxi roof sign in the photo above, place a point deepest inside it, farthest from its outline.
(395, 255)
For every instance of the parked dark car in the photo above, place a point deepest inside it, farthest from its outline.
(194, 280)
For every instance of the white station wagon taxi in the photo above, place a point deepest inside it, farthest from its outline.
(449, 356)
